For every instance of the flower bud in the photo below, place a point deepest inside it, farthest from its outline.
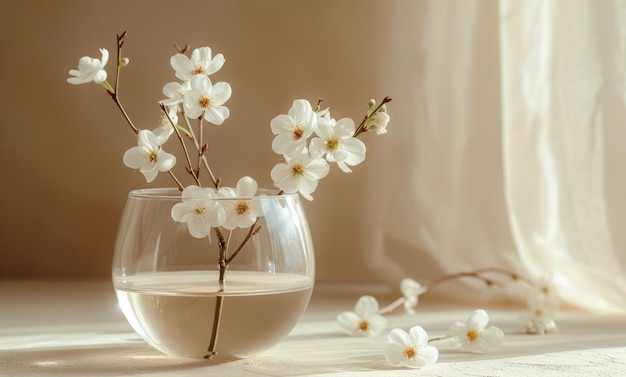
(371, 103)
(125, 62)
(379, 123)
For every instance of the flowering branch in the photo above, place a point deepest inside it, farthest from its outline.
(409, 349)
(197, 97)
(371, 116)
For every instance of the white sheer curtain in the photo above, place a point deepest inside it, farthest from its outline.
(507, 145)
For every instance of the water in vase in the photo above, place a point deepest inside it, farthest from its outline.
(174, 311)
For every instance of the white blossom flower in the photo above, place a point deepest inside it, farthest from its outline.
(336, 143)
(199, 210)
(410, 349)
(207, 100)
(379, 123)
(200, 63)
(473, 336)
(165, 128)
(364, 320)
(411, 290)
(148, 156)
(300, 174)
(540, 317)
(175, 92)
(243, 211)
(544, 291)
(90, 69)
(293, 129)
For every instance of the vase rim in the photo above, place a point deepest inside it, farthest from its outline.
(174, 193)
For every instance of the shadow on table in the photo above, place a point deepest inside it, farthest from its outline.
(134, 357)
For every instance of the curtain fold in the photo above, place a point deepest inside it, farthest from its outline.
(507, 125)
(556, 70)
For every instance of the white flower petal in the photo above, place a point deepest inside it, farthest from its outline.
(366, 306)
(135, 157)
(399, 336)
(430, 354)
(418, 335)
(150, 174)
(301, 110)
(377, 324)
(394, 353)
(100, 76)
(246, 187)
(478, 319)
(165, 161)
(216, 114)
(493, 337)
(199, 228)
(221, 92)
(216, 64)
(318, 169)
(179, 210)
(349, 321)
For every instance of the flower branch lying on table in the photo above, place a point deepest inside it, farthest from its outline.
(414, 349)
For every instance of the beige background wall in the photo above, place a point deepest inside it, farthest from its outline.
(64, 184)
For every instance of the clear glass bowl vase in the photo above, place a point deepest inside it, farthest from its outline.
(168, 282)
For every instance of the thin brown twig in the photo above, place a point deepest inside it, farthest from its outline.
(182, 142)
(215, 331)
(115, 94)
(253, 230)
(204, 160)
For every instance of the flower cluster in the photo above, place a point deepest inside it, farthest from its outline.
(335, 141)
(414, 349)
(197, 97)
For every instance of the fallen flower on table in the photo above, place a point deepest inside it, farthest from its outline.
(410, 349)
(364, 320)
(540, 317)
(474, 335)
(413, 349)
(411, 290)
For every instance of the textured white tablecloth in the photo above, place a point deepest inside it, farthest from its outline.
(74, 328)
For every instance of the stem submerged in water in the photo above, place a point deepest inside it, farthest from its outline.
(224, 263)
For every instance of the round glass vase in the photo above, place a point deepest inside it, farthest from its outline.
(168, 282)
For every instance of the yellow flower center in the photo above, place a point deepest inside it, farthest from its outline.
(410, 353)
(242, 208)
(364, 325)
(298, 131)
(151, 156)
(199, 210)
(205, 101)
(333, 144)
(297, 171)
(472, 335)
